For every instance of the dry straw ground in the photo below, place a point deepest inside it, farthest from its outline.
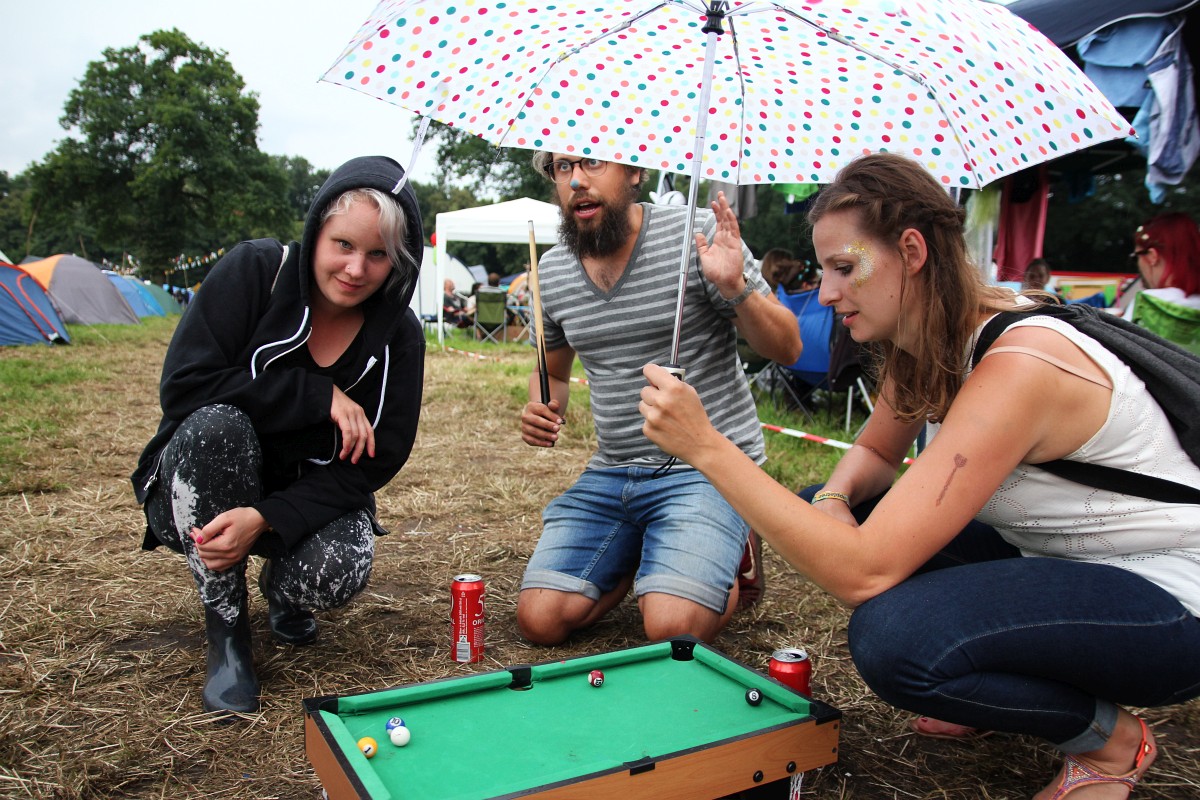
(102, 648)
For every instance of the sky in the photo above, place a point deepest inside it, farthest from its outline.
(281, 48)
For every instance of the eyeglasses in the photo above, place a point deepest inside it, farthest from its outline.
(1136, 254)
(561, 170)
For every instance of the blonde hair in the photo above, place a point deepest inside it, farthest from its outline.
(393, 227)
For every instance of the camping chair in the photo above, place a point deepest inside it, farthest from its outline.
(491, 310)
(1174, 322)
(794, 384)
(846, 372)
(810, 372)
(519, 316)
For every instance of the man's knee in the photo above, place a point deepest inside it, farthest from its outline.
(548, 616)
(665, 616)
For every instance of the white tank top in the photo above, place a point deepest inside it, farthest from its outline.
(1045, 515)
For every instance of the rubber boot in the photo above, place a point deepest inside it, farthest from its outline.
(231, 684)
(290, 624)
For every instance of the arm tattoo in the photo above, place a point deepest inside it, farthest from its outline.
(959, 461)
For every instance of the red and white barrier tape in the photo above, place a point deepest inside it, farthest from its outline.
(813, 438)
(785, 431)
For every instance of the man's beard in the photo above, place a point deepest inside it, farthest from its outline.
(608, 236)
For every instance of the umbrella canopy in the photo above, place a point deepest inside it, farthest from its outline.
(740, 92)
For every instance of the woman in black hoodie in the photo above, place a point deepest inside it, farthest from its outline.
(290, 394)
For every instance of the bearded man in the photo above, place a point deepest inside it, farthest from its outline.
(636, 518)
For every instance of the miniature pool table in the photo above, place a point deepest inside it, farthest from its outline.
(671, 720)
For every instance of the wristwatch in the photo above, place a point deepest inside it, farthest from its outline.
(741, 298)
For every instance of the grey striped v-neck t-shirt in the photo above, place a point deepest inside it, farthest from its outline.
(616, 333)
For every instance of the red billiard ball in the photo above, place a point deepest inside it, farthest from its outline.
(753, 696)
(596, 678)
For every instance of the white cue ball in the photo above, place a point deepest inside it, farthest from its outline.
(400, 736)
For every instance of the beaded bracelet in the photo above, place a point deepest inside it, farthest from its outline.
(819, 496)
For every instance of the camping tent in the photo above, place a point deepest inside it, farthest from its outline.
(26, 314)
(80, 291)
(497, 223)
(136, 294)
(165, 299)
(427, 299)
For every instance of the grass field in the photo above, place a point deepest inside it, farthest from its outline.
(102, 645)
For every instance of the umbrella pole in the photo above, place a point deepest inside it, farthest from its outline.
(716, 13)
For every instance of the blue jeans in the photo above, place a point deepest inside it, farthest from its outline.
(1048, 647)
(675, 532)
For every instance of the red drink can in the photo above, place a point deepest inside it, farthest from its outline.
(466, 618)
(791, 667)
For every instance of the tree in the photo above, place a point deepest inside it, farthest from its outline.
(303, 182)
(167, 160)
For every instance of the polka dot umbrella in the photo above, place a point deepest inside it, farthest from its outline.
(738, 91)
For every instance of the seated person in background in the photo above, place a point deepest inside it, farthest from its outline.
(271, 448)
(775, 263)
(454, 307)
(1167, 252)
(469, 310)
(986, 592)
(1037, 275)
(802, 276)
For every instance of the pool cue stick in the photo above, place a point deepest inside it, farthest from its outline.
(535, 291)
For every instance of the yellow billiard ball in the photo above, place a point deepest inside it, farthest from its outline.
(368, 746)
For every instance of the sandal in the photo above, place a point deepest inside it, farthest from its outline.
(1078, 773)
(752, 584)
(939, 729)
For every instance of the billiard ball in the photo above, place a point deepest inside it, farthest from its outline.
(400, 736)
(368, 746)
(596, 678)
(753, 696)
(393, 723)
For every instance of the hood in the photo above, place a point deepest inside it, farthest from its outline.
(374, 172)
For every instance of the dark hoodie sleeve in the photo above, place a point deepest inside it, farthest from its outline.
(325, 492)
(322, 493)
(206, 361)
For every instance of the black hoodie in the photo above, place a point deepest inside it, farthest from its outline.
(237, 344)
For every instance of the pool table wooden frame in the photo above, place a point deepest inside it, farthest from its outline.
(713, 769)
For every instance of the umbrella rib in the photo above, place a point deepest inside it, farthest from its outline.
(574, 50)
(913, 76)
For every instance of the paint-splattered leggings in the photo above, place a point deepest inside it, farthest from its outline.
(214, 463)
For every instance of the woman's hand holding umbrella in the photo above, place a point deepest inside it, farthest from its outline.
(675, 418)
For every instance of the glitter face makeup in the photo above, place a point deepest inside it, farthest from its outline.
(866, 263)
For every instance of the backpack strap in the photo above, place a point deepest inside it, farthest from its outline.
(1119, 481)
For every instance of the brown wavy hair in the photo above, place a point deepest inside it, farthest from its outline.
(890, 194)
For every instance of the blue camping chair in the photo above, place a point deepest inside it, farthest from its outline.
(829, 362)
(795, 383)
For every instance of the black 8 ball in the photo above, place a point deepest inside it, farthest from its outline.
(753, 696)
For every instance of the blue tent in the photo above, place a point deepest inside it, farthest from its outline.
(139, 299)
(26, 314)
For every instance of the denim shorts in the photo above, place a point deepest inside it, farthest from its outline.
(674, 533)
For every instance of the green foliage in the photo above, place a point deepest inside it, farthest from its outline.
(1095, 233)
(166, 160)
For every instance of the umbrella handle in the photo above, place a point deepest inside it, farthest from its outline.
(675, 370)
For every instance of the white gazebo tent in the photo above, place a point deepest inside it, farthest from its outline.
(503, 223)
